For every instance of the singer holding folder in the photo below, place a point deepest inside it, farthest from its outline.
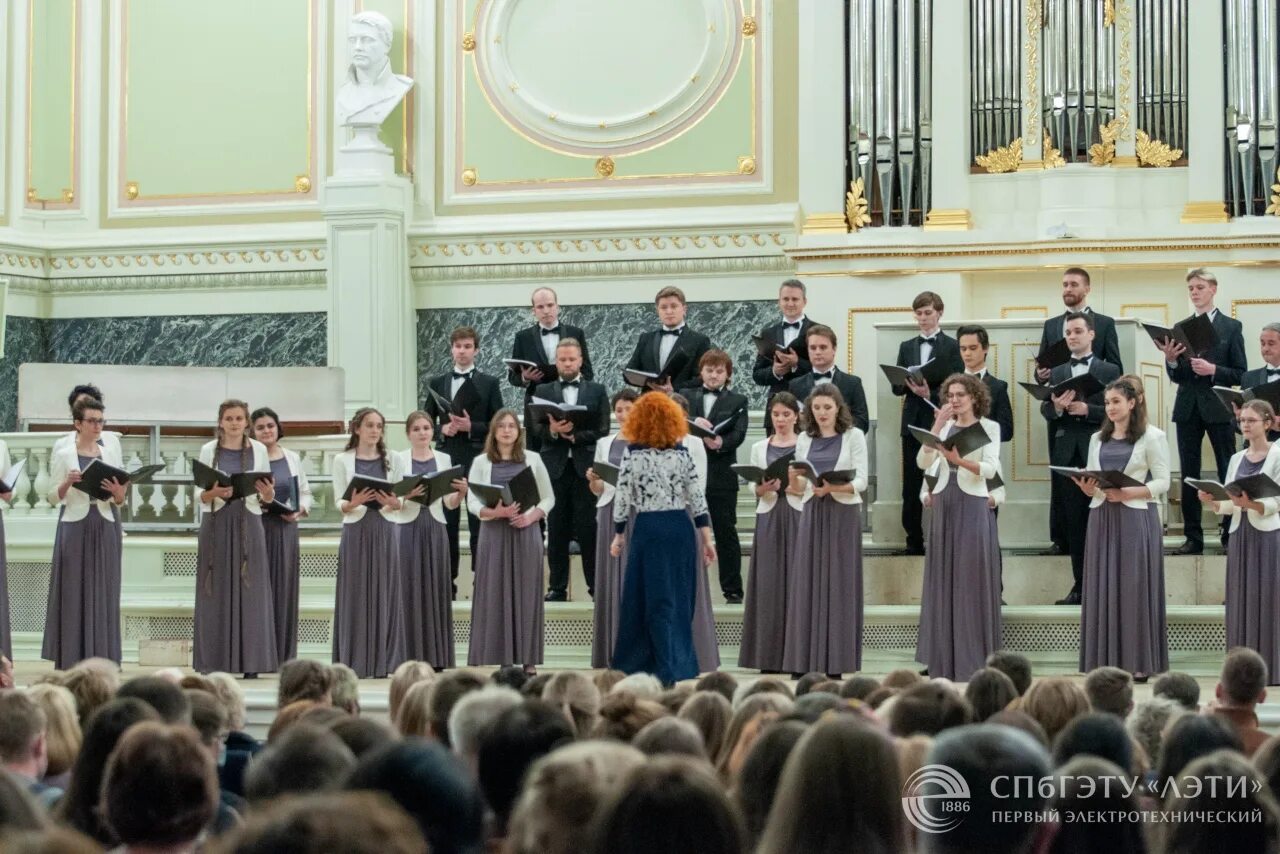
(292, 491)
(6, 642)
(609, 451)
(1253, 550)
(764, 618)
(83, 616)
(235, 628)
(1122, 617)
(824, 589)
(368, 613)
(507, 605)
(960, 602)
(426, 583)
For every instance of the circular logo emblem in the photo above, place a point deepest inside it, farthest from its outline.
(935, 798)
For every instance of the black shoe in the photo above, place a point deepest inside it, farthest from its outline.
(924, 672)
(1190, 547)
(556, 596)
(1140, 678)
(250, 676)
(913, 551)
(1072, 598)
(733, 598)
(1056, 549)
(1003, 603)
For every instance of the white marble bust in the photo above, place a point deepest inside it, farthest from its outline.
(371, 90)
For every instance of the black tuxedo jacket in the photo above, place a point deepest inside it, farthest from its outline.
(730, 404)
(850, 389)
(465, 447)
(1252, 379)
(557, 452)
(1071, 433)
(1001, 408)
(528, 346)
(762, 371)
(647, 353)
(1195, 393)
(914, 411)
(1106, 345)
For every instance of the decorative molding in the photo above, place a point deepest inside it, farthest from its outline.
(849, 330)
(604, 167)
(1007, 158)
(1209, 212)
(1108, 13)
(1154, 153)
(310, 256)
(1123, 12)
(596, 245)
(1256, 242)
(825, 223)
(620, 268)
(1103, 153)
(241, 281)
(1052, 157)
(1163, 306)
(1239, 302)
(957, 219)
(855, 206)
(1274, 207)
(1031, 50)
(1005, 309)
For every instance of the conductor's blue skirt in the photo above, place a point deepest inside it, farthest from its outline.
(655, 620)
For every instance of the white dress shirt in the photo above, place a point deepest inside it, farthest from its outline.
(457, 382)
(1077, 370)
(667, 344)
(570, 392)
(790, 333)
(1271, 373)
(549, 342)
(926, 347)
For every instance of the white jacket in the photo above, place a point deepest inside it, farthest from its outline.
(343, 469)
(698, 452)
(853, 455)
(109, 438)
(260, 462)
(482, 472)
(76, 502)
(766, 502)
(602, 456)
(1150, 456)
(1269, 518)
(411, 509)
(987, 457)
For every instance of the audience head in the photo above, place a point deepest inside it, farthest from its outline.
(362, 735)
(160, 694)
(623, 715)
(1090, 785)
(670, 735)
(92, 687)
(350, 822)
(160, 787)
(1246, 815)
(304, 679)
(1267, 760)
(18, 809)
(981, 754)
(912, 752)
(806, 682)
(840, 790)
(722, 683)
(429, 783)
(1147, 723)
(288, 717)
(208, 719)
(1054, 702)
(763, 685)
(577, 697)
(562, 795)
(756, 786)
(511, 676)
(414, 717)
(989, 691)
(1182, 688)
(671, 804)
(750, 718)
(813, 706)
(345, 694)
(1022, 721)
(473, 714)
(929, 709)
(305, 758)
(227, 690)
(534, 685)
(858, 687)
(710, 713)
(1244, 679)
(1099, 734)
(902, 678)
(1015, 665)
(514, 741)
(1189, 738)
(62, 726)
(1110, 690)
(447, 690)
(404, 676)
(23, 740)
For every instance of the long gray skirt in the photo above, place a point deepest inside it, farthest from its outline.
(83, 617)
(1253, 594)
(824, 592)
(1122, 621)
(764, 619)
(285, 563)
(368, 614)
(6, 637)
(609, 572)
(235, 628)
(705, 645)
(428, 591)
(960, 602)
(507, 606)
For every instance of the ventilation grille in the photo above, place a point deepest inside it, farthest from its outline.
(180, 564)
(28, 594)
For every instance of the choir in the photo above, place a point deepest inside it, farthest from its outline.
(651, 506)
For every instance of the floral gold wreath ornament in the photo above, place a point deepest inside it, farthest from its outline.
(855, 206)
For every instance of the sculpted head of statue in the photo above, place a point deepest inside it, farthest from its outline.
(369, 41)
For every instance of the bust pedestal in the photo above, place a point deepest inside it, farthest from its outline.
(371, 312)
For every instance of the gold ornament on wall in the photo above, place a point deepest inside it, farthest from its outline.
(68, 195)
(469, 42)
(604, 167)
(1052, 157)
(1153, 152)
(131, 190)
(302, 183)
(855, 206)
(749, 26)
(31, 194)
(1108, 13)
(469, 176)
(746, 165)
(1003, 159)
(1102, 153)
(1034, 17)
(1274, 207)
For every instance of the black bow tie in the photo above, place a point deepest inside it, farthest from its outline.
(573, 383)
(458, 376)
(555, 330)
(819, 375)
(673, 331)
(786, 325)
(1084, 361)
(716, 391)
(1273, 372)
(924, 340)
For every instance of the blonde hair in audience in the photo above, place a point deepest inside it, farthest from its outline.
(227, 690)
(1054, 702)
(405, 677)
(62, 730)
(414, 717)
(749, 718)
(577, 697)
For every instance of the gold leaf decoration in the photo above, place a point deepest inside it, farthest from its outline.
(1274, 207)
(604, 167)
(746, 165)
(1003, 159)
(1052, 157)
(469, 176)
(1102, 153)
(855, 206)
(1153, 152)
(1108, 13)
(302, 183)
(469, 42)
(749, 26)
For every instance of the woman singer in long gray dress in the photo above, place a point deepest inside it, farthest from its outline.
(608, 568)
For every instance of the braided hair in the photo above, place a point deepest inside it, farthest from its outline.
(233, 403)
(354, 440)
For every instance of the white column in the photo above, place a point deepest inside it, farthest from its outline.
(822, 123)
(371, 310)
(1205, 110)
(949, 206)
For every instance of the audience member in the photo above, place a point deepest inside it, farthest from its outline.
(929, 709)
(989, 691)
(346, 688)
(239, 746)
(24, 744)
(623, 715)
(62, 731)
(606, 679)
(1110, 690)
(1099, 734)
(347, 822)
(1021, 721)
(749, 720)
(1182, 688)
(577, 698)
(902, 678)
(1189, 738)
(1241, 687)
(858, 687)
(806, 682)
(414, 716)
(19, 810)
(509, 746)
(447, 690)
(304, 679)
(402, 678)
(674, 698)
(288, 717)
(1089, 787)
(513, 676)
(641, 685)
(1246, 817)
(1054, 702)
(1148, 722)
(756, 786)
(763, 685)
(92, 688)
(670, 735)
(720, 682)
(363, 735)
(473, 714)
(305, 758)
(710, 712)
(1015, 665)
(161, 694)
